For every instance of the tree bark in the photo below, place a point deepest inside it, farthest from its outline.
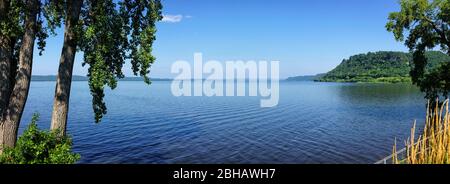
(6, 50)
(64, 79)
(13, 112)
(5, 80)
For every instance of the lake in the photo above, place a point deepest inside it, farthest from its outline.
(313, 123)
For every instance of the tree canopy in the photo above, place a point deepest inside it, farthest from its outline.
(424, 25)
(110, 34)
(12, 22)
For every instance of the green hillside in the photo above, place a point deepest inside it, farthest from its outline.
(382, 66)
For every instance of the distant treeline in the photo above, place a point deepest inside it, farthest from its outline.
(306, 78)
(84, 78)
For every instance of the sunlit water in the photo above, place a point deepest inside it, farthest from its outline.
(313, 123)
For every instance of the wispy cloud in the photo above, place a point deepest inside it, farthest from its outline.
(174, 18)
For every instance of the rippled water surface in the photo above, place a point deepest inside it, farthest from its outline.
(313, 123)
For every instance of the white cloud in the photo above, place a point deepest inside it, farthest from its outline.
(172, 18)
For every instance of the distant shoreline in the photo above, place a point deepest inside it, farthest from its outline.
(49, 78)
(78, 78)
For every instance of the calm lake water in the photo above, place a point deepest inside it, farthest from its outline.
(313, 123)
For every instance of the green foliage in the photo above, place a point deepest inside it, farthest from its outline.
(10, 21)
(426, 24)
(35, 146)
(110, 33)
(13, 19)
(384, 67)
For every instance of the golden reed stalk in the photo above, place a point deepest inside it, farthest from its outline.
(433, 146)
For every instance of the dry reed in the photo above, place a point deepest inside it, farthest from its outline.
(433, 146)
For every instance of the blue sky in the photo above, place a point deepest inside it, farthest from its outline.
(307, 37)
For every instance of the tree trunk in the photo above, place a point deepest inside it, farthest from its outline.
(5, 79)
(64, 79)
(8, 70)
(13, 112)
(6, 50)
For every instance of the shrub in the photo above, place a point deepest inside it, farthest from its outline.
(37, 146)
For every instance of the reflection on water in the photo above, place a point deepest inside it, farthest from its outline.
(386, 94)
(313, 123)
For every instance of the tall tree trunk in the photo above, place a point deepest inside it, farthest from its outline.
(5, 66)
(8, 65)
(64, 79)
(8, 70)
(13, 112)
(6, 51)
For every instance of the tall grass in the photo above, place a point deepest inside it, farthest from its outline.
(433, 146)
